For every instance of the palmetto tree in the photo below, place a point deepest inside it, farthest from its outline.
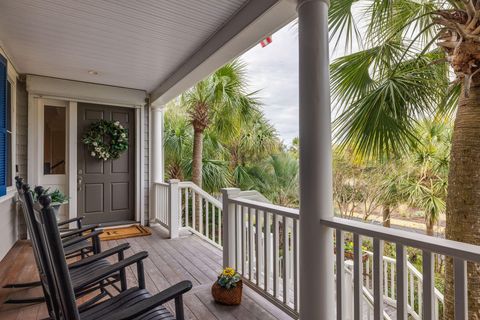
(255, 140)
(425, 183)
(400, 75)
(177, 141)
(277, 179)
(221, 99)
(178, 144)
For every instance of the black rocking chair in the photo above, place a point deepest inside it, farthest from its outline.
(77, 242)
(74, 241)
(80, 270)
(134, 303)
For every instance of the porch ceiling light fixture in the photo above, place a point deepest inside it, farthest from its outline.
(93, 72)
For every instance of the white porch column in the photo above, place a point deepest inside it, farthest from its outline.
(157, 145)
(317, 292)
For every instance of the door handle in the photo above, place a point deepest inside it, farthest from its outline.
(79, 183)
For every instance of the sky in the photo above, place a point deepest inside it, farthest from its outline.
(274, 71)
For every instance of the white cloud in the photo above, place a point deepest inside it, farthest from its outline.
(274, 71)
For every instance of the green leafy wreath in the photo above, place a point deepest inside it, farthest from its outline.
(115, 135)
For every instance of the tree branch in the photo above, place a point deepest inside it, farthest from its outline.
(476, 31)
(470, 8)
(474, 21)
(448, 44)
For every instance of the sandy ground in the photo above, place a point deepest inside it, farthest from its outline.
(416, 223)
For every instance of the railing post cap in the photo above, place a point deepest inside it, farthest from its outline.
(172, 181)
(230, 191)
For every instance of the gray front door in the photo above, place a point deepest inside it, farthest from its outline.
(106, 189)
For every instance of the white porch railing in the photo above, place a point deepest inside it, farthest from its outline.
(200, 212)
(185, 205)
(261, 241)
(414, 285)
(460, 252)
(160, 203)
(265, 249)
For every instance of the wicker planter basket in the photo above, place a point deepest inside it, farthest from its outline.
(230, 297)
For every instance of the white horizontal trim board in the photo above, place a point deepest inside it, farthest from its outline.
(272, 208)
(84, 91)
(446, 247)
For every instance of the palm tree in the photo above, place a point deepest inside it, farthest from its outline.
(391, 194)
(178, 141)
(401, 75)
(277, 179)
(255, 140)
(220, 99)
(425, 186)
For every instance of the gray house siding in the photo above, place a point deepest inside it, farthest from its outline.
(8, 230)
(12, 227)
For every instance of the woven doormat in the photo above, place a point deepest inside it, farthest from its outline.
(124, 232)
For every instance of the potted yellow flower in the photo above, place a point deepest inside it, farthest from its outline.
(228, 287)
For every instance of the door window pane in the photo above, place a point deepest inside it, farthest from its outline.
(54, 140)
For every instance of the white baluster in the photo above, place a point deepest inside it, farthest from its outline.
(187, 213)
(250, 244)
(214, 222)
(174, 209)
(276, 266)
(258, 233)
(268, 249)
(206, 227)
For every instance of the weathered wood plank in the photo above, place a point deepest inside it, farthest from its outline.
(169, 262)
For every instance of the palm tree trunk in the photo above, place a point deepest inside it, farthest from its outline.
(463, 200)
(386, 216)
(197, 164)
(429, 226)
(197, 157)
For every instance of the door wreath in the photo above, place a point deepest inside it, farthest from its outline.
(106, 139)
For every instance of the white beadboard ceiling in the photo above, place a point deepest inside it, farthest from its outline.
(135, 44)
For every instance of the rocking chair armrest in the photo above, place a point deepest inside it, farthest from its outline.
(106, 272)
(92, 235)
(78, 220)
(174, 292)
(102, 255)
(78, 231)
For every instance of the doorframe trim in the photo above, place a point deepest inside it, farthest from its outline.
(72, 159)
(33, 109)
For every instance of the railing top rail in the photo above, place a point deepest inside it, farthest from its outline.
(161, 184)
(446, 247)
(203, 193)
(272, 208)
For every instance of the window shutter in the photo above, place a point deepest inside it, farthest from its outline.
(3, 126)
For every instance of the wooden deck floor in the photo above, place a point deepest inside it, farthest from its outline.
(169, 261)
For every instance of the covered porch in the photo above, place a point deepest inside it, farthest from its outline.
(127, 60)
(169, 261)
